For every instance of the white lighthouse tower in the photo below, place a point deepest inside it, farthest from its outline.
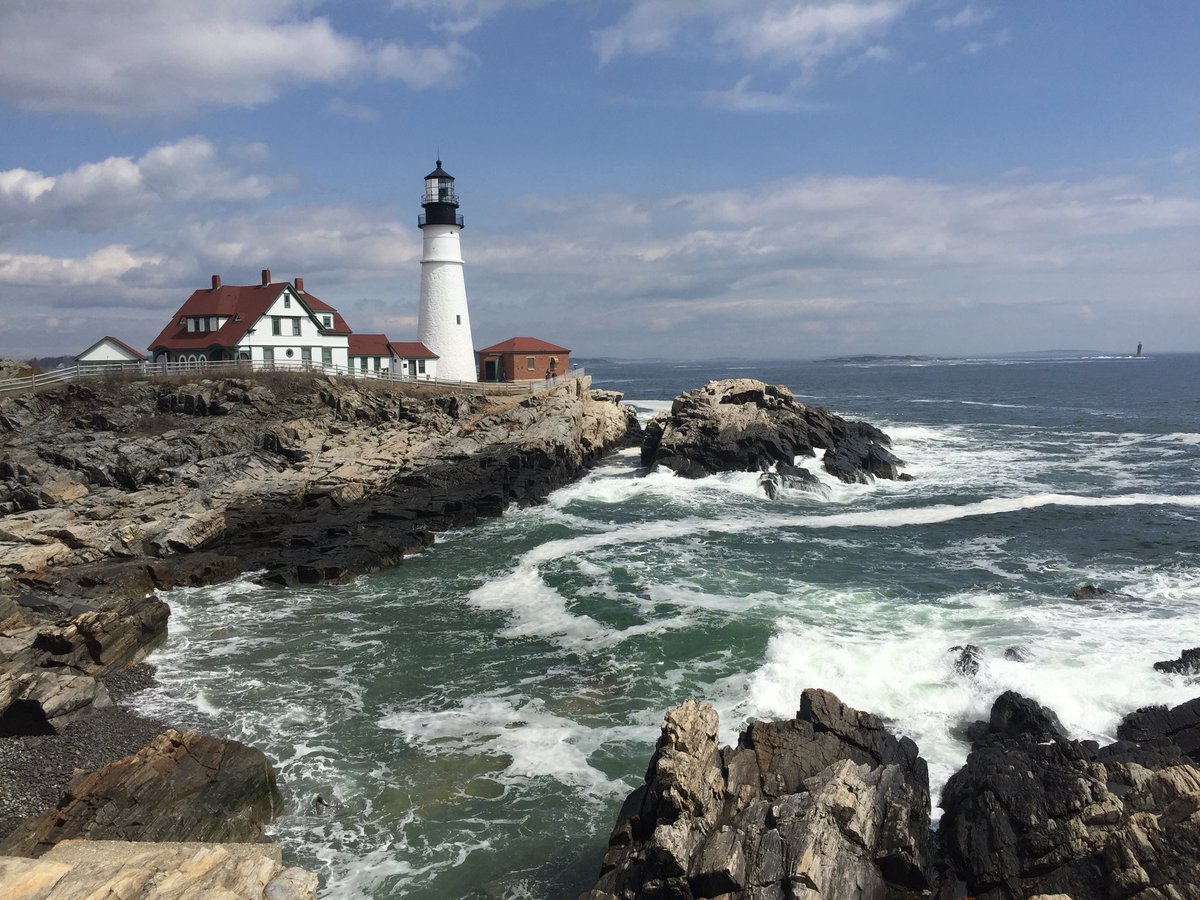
(444, 325)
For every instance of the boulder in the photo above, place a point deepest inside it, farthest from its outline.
(967, 659)
(1092, 592)
(1034, 813)
(181, 787)
(826, 803)
(1187, 664)
(745, 425)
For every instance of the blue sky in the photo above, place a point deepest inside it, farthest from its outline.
(676, 178)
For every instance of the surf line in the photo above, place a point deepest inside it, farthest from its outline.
(877, 518)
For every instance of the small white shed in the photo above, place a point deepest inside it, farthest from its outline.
(110, 353)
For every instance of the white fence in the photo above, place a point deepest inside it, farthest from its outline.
(237, 369)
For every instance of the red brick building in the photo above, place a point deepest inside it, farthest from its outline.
(522, 359)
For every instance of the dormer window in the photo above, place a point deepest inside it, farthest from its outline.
(327, 321)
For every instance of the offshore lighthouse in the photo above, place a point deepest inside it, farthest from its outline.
(443, 324)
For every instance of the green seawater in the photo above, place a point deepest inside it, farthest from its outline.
(468, 723)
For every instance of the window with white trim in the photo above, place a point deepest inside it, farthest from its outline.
(276, 325)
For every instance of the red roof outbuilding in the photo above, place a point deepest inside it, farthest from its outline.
(524, 345)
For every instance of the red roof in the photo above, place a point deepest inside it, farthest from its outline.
(369, 345)
(412, 350)
(524, 345)
(120, 343)
(243, 305)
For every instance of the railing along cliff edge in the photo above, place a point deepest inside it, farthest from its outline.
(235, 368)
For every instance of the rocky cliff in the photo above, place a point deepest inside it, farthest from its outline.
(116, 488)
(113, 489)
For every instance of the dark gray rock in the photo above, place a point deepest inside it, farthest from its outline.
(967, 659)
(1034, 813)
(1187, 664)
(1092, 592)
(746, 425)
(1179, 725)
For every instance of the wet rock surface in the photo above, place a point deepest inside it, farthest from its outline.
(1187, 664)
(746, 425)
(827, 804)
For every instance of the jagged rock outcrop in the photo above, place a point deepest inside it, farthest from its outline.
(181, 787)
(85, 870)
(827, 804)
(111, 488)
(1034, 813)
(1187, 664)
(745, 425)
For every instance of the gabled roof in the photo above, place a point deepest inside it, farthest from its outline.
(524, 345)
(243, 305)
(412, 350)
(120, 343)
(369, 345)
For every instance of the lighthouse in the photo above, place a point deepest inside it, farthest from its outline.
(443, 324)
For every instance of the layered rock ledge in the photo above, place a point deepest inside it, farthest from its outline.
(829, 804)
(745, 425)
(118, 488)
(84, 870)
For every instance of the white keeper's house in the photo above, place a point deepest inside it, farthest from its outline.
(280, 324)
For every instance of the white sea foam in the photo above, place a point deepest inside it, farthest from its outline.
(537, 743)
(534, 608)
(1089, 669)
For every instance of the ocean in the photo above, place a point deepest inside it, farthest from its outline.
(467, 724)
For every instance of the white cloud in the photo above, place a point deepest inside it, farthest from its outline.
(142, 57)
(742, 98)
(105, 266)
(967, 17)
(850, 263)
(95, 195)
(458, 17)
(778, 32)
